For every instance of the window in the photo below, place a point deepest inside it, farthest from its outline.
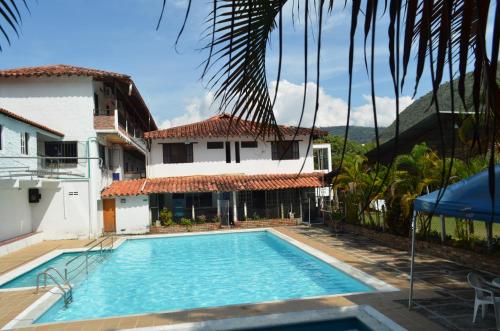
(96, 104)
(25, 137)
(285, 150)
(320, 158)
(102, 155)
(199, 200)
(178, 153)
(228, 152)
(215, 145)
(237, 151)
(249, 144)
(1, 142)
(65, 149)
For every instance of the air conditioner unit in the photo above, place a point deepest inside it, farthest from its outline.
(34, 195)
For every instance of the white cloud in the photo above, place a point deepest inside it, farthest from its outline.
(386, 110)
(332, 111)
(197, 110)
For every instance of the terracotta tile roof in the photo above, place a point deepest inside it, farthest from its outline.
(57, 70)
(222, 126)
(30, 122)
(60, 70)
(219, 183)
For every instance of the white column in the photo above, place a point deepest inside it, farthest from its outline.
(235, 208)
(218, 205)
(193, 214)
(245, 211)
(443, 228)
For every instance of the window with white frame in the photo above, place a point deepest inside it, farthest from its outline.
(24, 143)
(320, 158)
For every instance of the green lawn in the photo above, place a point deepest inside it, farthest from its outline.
(479, 228)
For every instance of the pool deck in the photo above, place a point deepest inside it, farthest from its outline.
(443, 299)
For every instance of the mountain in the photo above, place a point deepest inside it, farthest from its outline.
(360, 134)
(421, 109)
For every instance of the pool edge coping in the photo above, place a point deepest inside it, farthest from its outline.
(35, 310)
(364, 313)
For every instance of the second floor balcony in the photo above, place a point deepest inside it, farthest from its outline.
(125, 131)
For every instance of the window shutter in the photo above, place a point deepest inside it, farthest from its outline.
(274, 150)
(166, 153)
(26, 140)
(295, 149)
(189, 153)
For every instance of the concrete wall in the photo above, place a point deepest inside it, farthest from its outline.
(15, 215)
(132, 214)
(64, 104)
(63, 212)
(11, 143)
(213, 161)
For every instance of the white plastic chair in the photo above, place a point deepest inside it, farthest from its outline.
(484, 297)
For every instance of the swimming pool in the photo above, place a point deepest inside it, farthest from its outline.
(185, 272)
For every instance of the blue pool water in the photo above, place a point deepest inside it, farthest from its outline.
(151, 275)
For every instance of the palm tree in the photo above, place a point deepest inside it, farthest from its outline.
(414, 174)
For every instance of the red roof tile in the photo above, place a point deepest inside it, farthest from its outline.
(219, 183)
(60, 70)
(69, 70)
(30, 122)
(223, 126)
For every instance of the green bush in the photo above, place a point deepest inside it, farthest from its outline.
(216, 219)
(200, 219)
(187, 223)
(166, 217)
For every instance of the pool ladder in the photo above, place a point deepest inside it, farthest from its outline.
(65, 287)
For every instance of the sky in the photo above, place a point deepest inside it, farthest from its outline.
(121, 36)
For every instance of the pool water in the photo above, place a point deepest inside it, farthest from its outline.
(174, 273)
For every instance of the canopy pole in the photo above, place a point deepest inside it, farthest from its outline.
(413, 232)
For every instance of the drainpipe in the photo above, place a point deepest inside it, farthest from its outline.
(89, 184)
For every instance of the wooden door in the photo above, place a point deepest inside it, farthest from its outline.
(109, 214)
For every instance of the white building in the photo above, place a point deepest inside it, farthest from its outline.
(217, 167)
(103, 117)
(26, 183)
(113, 171)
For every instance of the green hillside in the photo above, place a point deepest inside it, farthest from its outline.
(360, 134)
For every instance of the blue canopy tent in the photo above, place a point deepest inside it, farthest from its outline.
(467, 199)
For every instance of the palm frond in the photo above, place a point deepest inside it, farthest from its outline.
(10, 20)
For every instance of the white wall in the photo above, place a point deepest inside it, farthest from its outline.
(213, 161)
(15, 213)
(64, 104)
(11, 143)
(62, 212)
(132, 214)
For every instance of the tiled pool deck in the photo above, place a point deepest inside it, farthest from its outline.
(443, 299)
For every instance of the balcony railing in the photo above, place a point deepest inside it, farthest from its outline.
(117, 123)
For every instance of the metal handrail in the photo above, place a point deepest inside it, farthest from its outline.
(67, 293)
(86, 254)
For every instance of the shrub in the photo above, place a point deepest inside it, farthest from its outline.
(187, 223)
(201, 219)
(216, 219)
(166, 217)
